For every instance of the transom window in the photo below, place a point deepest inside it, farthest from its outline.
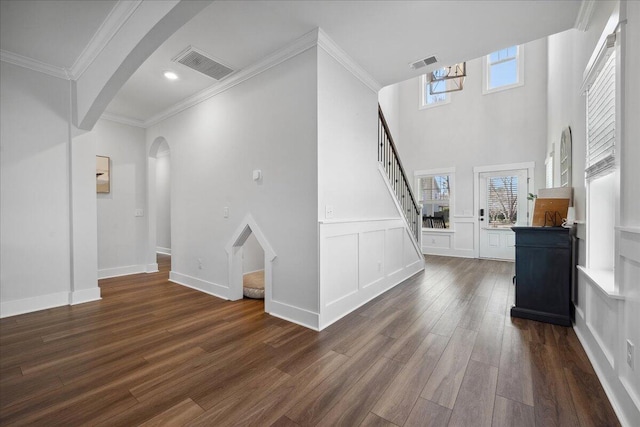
(427, 99)
(503, 69)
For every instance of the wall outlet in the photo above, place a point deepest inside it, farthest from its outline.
(225, 212)
(328, 212)
(379, 265)
(199, 263)
(139, 212)
(630, 354)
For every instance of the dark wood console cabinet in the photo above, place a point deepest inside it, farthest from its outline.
(543, 274)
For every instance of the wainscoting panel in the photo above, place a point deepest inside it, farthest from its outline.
(359, 260)
(371, 257)
(341, 255)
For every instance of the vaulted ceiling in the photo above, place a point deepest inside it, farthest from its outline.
(383, 37)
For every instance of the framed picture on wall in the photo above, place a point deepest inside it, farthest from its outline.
(103, 174)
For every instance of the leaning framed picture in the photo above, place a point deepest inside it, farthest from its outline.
(103, 174)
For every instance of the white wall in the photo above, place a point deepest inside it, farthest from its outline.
(348, 177)
(36, 267)
(35, 260)
(604, 320)
(252, 255)
(475, 130)
(269, 123)
(163, 200)
(121, 235)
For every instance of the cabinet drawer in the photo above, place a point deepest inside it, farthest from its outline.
(557, 238)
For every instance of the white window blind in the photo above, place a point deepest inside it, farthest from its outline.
(601, 119)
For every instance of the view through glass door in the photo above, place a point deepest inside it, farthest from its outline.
(503, 204)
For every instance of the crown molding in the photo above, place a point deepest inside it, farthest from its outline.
(34, 64)
(584, 15)
(122, 120)
(109, 27)
(329, 46)
(300, 45)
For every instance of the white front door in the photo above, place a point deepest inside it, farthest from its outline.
(503, 204)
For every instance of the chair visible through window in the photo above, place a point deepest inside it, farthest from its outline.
(433, 222)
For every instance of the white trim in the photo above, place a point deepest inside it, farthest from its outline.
(343, 220)
(122, 119)
(329, 46)
(634, 230)
(109, 27)
(244, 273)
(601, 280)
(199, 285)
(299, 46)
(161, 250)
(604, 377)
(29, 305)
(297, 315)
(84, 295)
(584, 15)
(106, 273)
(392, 193)
(33, 64)
(151, 268)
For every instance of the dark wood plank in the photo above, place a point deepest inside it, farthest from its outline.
(509, 413)
(514, 373)
(488, 345)
(444, 383)
(372, 420)
(428, 414)
(178, 414)
(396, 403)
(553, 404)
(474, 405)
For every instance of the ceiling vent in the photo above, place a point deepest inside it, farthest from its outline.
(199, 61)
(423, 62)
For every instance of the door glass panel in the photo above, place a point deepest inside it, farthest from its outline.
(502, 201)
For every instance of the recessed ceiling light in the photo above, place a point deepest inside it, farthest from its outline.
(170, 75)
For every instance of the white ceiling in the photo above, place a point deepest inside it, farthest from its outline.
(383, 37)
(53, 32)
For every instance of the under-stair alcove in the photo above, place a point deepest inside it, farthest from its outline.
(244, 249)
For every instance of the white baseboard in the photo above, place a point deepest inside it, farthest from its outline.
(28, 305)
(84, 295)
(459, 253)
(254, 271)
(161, 250)
(622, 403)
(122, 271)
(199, 285)
(152, 268)
(297, 315)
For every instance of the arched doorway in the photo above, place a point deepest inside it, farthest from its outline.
(158, 201)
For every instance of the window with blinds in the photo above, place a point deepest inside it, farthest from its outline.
(502, 201)
(601, 116)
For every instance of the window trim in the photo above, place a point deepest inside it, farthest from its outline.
(451, 171)
(422, 87)
(485, 72)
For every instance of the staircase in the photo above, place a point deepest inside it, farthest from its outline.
(390, 161)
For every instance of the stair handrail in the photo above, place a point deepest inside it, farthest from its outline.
(390, 160)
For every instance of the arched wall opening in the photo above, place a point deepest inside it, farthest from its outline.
(158, 201)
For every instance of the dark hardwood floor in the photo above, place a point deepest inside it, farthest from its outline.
(439, 349)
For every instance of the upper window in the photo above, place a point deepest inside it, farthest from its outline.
(435, 196)
(427, 99)
(503, 69)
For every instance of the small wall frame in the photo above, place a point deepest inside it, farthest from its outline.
(103, 174)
